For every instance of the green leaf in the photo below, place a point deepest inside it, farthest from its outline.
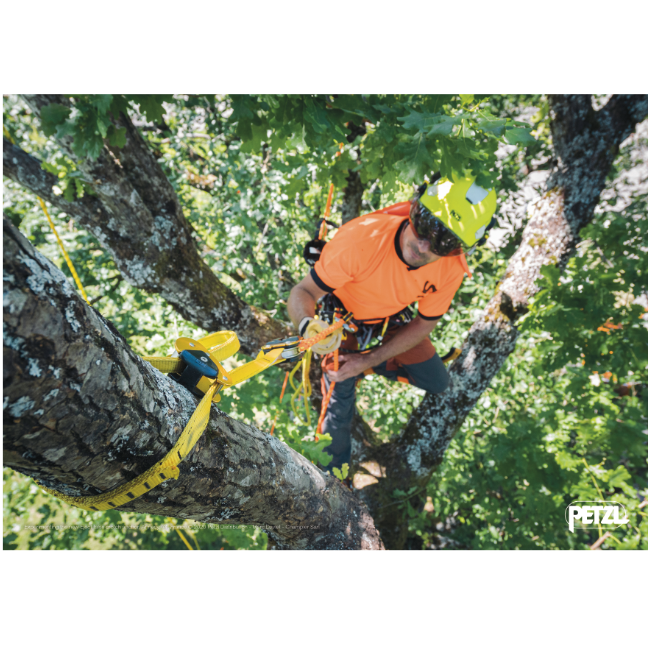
(519, 136)
(93, 146)
(152, 105)
(119, 105)
(79, 187)
(103, 124)
(102, 102)
(434, 123)
(117, 137)
(254, 142)
(68, 193)
(466, 99)
(51, 116)
(416, 160)
(493, 126)
(445, 126)
(49, 167)
(316, 115)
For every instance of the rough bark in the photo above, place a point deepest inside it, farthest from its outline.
(352, 195)
(83, 414)
(586, 143)
(137, 217)
(353, 192)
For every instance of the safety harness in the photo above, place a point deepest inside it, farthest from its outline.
(366, 329)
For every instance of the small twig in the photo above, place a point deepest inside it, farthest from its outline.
(266, 227)
(599, 541)
(407, 498)
(588, 242)
(117, 279)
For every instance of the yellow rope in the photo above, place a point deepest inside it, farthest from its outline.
(184, 540)
(173, 523)
(322, 339)
(7, 135)
(302, 389)
(65, 254)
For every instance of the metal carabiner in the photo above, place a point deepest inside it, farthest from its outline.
(290, 345)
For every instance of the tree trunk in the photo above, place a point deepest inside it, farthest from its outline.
(137, 217)
(352, 195)
(586, 143)
(83, 414)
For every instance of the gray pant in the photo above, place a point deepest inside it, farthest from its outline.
(431, 375)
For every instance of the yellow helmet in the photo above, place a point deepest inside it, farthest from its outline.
(463, 208)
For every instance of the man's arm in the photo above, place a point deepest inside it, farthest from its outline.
(302, 300)
(406, 338)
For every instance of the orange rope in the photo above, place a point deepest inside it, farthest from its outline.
(326, 399)
(328, 205)
(323, 227)
(286, 377)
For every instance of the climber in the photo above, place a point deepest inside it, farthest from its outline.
(377, 265)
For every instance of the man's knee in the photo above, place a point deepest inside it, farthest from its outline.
(430, 375)
(439, 382)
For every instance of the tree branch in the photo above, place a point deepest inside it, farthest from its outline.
(136, 216)
(352, 195)
(586, 143)
(84, 414)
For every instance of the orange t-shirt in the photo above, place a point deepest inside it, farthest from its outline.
(363, 265)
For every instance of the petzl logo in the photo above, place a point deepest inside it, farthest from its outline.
(455, 215)
(590, 514)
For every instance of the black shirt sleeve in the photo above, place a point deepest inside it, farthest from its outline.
(423, 317)
(319, 282)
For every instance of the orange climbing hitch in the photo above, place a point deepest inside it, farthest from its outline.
(345, 321)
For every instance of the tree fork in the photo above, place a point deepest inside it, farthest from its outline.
(586, 143)
(137, 217)
(83, 414)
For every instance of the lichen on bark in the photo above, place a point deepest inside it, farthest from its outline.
(94, 416)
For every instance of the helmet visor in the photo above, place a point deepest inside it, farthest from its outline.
(442, 241)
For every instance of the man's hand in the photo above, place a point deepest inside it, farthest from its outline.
(406, 338)
(350, 365)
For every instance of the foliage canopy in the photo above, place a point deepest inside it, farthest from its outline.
(565, 419)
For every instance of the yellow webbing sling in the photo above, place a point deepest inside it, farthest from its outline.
(219, 346)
